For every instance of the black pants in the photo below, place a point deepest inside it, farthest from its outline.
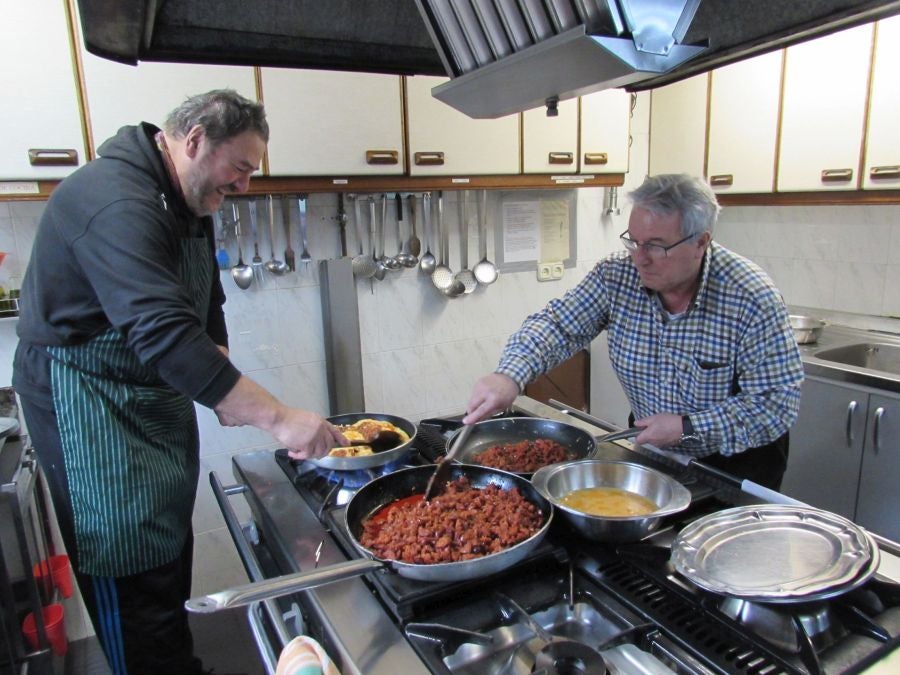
(140, 619)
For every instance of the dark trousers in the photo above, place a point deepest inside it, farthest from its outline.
(140, 619)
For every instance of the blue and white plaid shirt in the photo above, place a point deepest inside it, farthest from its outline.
(730, 361)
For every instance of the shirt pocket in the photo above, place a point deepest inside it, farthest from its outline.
(705, 380)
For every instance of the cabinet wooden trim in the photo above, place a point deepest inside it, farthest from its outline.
(596, 158)
(382, 157)
(428, 158)
(52, 157)
(560, 157)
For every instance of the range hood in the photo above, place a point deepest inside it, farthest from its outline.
(502, 56)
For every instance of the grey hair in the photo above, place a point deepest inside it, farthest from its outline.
(679, 193)
(223, 114)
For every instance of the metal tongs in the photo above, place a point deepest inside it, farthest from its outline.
(439, 477)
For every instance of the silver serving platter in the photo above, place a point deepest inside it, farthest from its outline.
(771, 553)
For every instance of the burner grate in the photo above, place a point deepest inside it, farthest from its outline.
(679, 619)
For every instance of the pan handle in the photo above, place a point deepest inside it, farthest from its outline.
(283, 585)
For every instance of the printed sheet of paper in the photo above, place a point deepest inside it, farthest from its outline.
(554, 231)
(521, 227)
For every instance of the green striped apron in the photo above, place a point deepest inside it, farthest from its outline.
(130, 444)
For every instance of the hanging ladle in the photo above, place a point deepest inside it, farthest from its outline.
(276, 267)
(241, 273)
(427, 262)
(485, 271)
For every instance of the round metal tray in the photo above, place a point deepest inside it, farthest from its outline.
(775, 552)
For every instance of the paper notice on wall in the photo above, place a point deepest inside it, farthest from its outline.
(521, 229)
(554, 231)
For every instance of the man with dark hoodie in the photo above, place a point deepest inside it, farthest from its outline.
(121, 330)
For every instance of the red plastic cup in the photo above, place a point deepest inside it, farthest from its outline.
(61, 574)
(43, 578)
(55, 626)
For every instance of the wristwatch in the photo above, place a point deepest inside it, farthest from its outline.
(688, 435)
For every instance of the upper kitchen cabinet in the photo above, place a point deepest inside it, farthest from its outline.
(117, 94)
(823, 111)
(41, 136)
(605, 128)
(550, 144)
(333, 123)
(678, 127)
(443, 141)
(882, 161)
(743, 125)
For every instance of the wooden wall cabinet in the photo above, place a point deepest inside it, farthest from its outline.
(678, 127)
(823, 112)
(443, 141)
(550, 144)
(881, 169)
(41, 133)
(605, 131)
(743, 125)
(333, 123)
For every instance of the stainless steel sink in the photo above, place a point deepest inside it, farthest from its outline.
(871, 355)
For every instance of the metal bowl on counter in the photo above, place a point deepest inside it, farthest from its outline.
(557, 481)
(806, 328)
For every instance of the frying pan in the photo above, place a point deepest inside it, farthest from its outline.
(369, 499)
(577, 442)
(376, 459)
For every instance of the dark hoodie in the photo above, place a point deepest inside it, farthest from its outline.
(106, 254)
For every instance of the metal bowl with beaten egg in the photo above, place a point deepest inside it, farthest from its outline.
(558, 482)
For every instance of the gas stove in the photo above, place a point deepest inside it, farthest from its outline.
(572, 599)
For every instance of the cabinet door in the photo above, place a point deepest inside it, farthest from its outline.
(678, 127)
(333, 123)
(823, 111)
(39, 104)
(550, 144)
(605, 129)
(743, 125)
(882, 165)
(826, 447)
(117, 94)
(443, 141)
(878, 507)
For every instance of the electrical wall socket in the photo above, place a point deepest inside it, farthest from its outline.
(550, 271)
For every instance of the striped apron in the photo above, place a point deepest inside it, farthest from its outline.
(130, 444)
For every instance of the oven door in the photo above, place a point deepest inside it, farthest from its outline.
(273, 623)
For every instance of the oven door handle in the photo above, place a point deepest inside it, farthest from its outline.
(254, 571)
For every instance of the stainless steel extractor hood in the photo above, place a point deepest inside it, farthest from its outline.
(576, 45)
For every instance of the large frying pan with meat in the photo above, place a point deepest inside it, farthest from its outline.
(370, 499)
(578, 443)
(368, 461)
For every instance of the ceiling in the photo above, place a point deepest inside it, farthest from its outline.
(390, 36)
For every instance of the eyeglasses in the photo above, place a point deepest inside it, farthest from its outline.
(655, 251)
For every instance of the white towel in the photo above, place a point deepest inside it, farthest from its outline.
(305, 656)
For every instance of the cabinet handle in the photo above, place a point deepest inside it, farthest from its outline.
(876, 431)
(560, 158)
(877, 172)
(47, 157)
(595, 158)
(428, 158)
(382, 157)
(721, 180)
(837, 175)
(851, 410)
